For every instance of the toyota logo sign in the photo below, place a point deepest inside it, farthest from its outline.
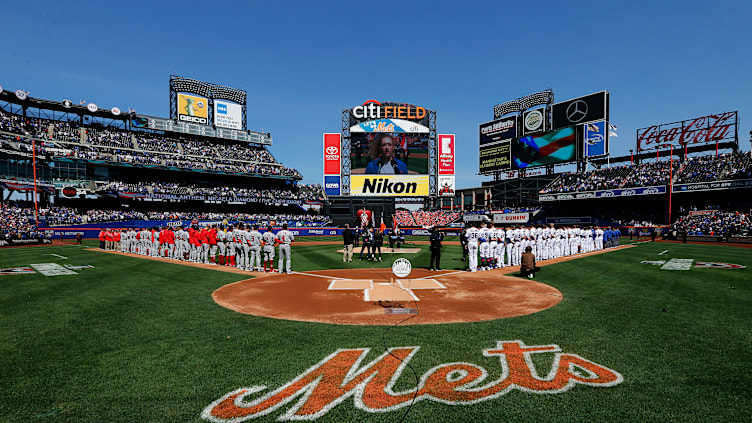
(332, 150)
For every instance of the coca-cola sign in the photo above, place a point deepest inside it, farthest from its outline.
(701, 130)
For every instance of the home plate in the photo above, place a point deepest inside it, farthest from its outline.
(350, 284)
(388, 292)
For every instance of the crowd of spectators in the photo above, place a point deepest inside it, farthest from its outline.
(425, 219)
(715, 223)
(301, 192)
(66, 216)
(703, 168)
(17, 222)
(142, 148)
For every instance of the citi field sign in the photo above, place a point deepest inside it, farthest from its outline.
(341, 376)
(372, 110)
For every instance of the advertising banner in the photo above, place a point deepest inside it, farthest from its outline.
(596, 141)
(701, 130)
(708, 186)
(628, 192)
(389, 185)
(446, 154)
(554, 147)
(498, 130)
(193, 108)
(390, 125)
(496, 157)
(228, 115)
(332, 185)
(507, 218)
(332, 154)
(580, 110)
(446, 185)
(169, 125)
(533, 121)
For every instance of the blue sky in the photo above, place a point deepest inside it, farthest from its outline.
(302, 62)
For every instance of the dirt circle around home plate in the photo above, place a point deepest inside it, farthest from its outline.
(440, 297)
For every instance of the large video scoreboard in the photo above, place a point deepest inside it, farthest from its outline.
(533, 131)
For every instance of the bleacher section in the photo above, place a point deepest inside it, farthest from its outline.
(696, 169)
(70, 140)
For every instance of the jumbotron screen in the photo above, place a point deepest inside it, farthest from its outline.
(557, 146)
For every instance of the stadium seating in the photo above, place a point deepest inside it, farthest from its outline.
(703, 168)
(74, 141)
(405, 218)
(714, 223)
(15, 223)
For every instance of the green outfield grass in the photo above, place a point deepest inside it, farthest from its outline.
(134, 340)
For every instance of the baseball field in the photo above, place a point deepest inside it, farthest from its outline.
(654, 332)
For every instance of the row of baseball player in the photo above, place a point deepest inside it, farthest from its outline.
(496, 247)
(241, 246)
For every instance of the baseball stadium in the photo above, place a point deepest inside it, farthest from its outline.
(172, 268)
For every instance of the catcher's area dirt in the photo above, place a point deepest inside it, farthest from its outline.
(303, 296)
(469, 297)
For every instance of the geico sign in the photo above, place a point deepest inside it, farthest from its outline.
(372, 109)
(331, 185)
(193, 119)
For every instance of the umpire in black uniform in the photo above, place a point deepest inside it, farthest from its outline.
(436, 238)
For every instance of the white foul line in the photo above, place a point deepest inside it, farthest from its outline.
(318, 276)
(59, 256)
(663, 252)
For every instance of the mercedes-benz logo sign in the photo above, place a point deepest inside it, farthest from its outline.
(577, 111)
(332, 150)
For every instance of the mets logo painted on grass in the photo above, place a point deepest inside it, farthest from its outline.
(341, 376)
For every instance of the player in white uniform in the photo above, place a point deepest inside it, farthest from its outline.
(472, 248)
(285, 238)
(493, 244)
(269, 240)
(483, 246)
(501, 234)
(255, 252)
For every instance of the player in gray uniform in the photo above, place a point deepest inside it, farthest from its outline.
(285, 238)
(269, 240)
(255, 253)
(221, 237)
(241, 254)
(230, 240)
(245, 239)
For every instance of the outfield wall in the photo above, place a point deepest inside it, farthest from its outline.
(91, 230)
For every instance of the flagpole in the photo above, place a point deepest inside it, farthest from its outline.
(34, 164)
(670, 184)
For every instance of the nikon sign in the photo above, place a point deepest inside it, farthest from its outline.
(389, 185)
